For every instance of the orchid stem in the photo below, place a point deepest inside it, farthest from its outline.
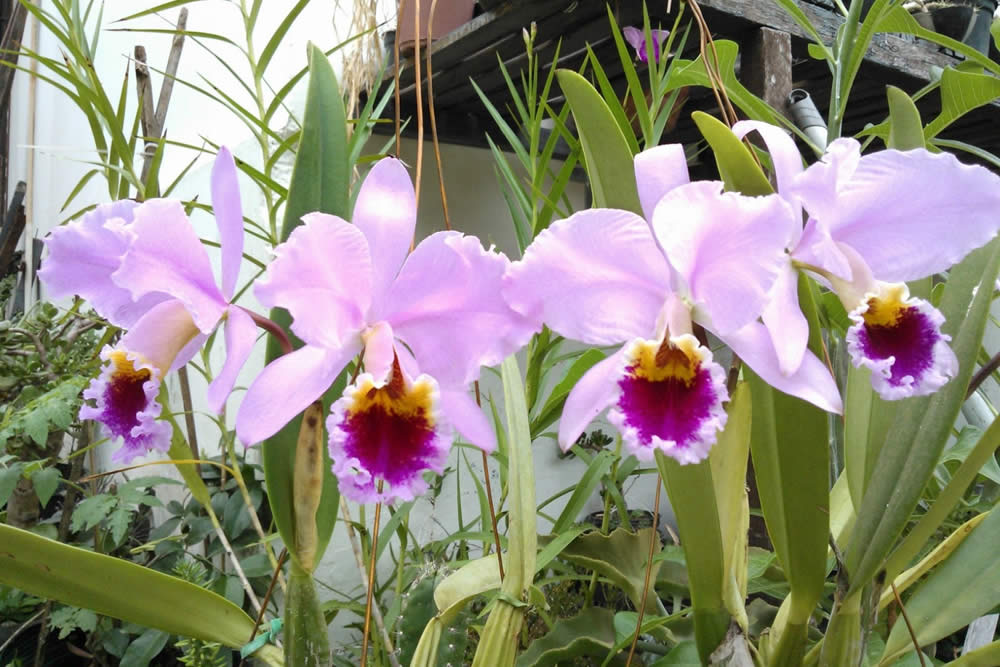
(271, 327)
(489, 494)
(371, 578)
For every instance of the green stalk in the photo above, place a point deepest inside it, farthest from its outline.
(842, 49)
(842, 644)
(306, 643)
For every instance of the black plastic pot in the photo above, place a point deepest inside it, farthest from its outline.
(969, 25)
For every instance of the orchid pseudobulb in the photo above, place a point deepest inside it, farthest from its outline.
(424, 323)
(143, 267)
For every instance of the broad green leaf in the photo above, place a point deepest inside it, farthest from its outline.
(144, 648)
(468, 581)
(964, 587)
(961, 92)
(728, 459)
(693, 73)
(684, 654)
(737, 167)
(923, 424)
(898, 19)
(607, 156)
(946, 501)
(46, 482)
(969, 438)
(109, 586)
(867, 420)
(937, 555)
(9, 477)
(320, 182)
(691, 490)
(906, 131)
(621, 557)
(591, 633)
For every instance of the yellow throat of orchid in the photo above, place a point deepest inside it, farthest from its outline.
(676, 359)
(125, 370)
(395, 397)
(885, 309)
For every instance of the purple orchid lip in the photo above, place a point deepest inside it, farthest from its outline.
(391, 432)
(899, 339)
(671, 396)
(125, 402)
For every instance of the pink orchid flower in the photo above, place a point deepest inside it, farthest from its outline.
(426, 321)
(637, 39)
(605, 277)
(143, 267)
(876, 221)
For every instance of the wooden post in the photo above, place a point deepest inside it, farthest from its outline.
(766, 66)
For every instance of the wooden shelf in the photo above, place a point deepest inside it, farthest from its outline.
(472, 53)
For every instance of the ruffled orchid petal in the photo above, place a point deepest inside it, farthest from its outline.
(386, 212)
(670, 398)
(593, 393)
(387, 436)
(785, 322)
(323, 276)
(909, 214)
(166, 256)
(83, 255)
(899, 339)
(446, 306)
(286, 387)
(228, 217)
(817, 187)
(659, 170)
(811, 381)
(468, 419)
(125, 402)
(727, 248)
(162, 334)
(597, 277)
(380, 352)
(241, 334)
(785, 157)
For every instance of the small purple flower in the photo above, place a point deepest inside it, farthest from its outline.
(143, 267)
(608, 277)
(426, 322)
(637, 38)
(876, 221)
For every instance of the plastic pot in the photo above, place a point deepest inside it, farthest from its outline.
(448, 16)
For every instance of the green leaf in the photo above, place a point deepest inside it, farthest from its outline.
(320, 182)
(583, 490)
(144, 648)
(91, 511)
(46, 482)
(68, 619)
(961, 92)
(964, 587)
(739, 171)
(789, 445)
(109, 586)
(906, 130)
(728, 459)
(867, 420)
(606, 152)
(621, 557)
(691, 490)
(591, 633)
(553, 406)
(693, 73)
(923, 424)
(684, 654)
(969, 439)
(473, 578)
(989, 655)
(9, 477)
